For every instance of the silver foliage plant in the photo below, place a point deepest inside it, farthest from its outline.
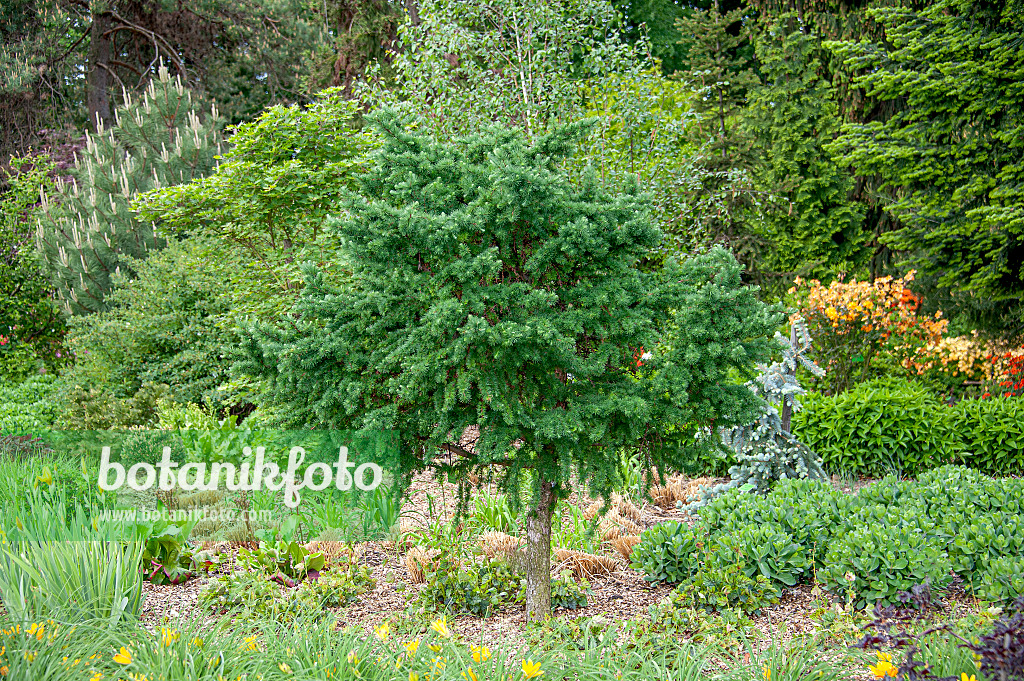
(765, 450)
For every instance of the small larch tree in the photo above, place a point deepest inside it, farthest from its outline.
(490, 290)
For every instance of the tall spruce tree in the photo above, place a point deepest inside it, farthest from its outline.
(950, 162)
(489, 290)
(811, 228)
(87, 233)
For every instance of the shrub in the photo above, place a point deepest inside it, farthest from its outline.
(667, 552)
(855, 321)
(479, 589)
(1001, 580)
(879, 427)
(992, 432)
(762, 549)
(340, 585)
(765, 450)
(876, 562)
(165, 326)
(721, 586)
(28, 407)
(567, 594)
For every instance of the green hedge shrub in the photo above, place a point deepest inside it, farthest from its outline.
(992, 434)
(879, 427)
(29, 406)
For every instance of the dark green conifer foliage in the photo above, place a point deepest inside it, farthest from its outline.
(952, 160)
(86, 232)
(488, 290)
(719, 66)
(812, 227)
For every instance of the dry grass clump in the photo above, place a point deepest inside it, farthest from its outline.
(419, 561)
(335, 552)
(498, 544)
(626, 507)
(624, 545)
(584, 565)
(590, 511)
(678, 488)
(614, 525)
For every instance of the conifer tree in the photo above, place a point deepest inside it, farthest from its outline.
(812, 227)
(719, 67)
(766, 450)
(949, 163)
(489, 290)
(87, 233)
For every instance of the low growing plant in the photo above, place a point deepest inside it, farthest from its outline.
(667, 552)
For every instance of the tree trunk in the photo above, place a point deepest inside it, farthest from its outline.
(97, 77)
(536, 555)
(787, 401)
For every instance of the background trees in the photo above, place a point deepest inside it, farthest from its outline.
(950, 160)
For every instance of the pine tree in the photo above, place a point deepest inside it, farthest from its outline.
(813, 228)
(488, 290)
(87, 234)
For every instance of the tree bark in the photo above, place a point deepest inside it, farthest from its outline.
(98, 77)
(787, 401)
(536, 555)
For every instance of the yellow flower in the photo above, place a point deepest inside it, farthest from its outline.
(411, 646)
(4, 670)
(964, 677)
(882, 669)
(480, 653)
(285, 668)
(767, 673)
(30, 655)
(137, 677)
(382, 631)
(97, 676)
(353, 657)
(531, 669)
(196, 642)
(434, 647)
(123, 657)
(438, 662)
(168, 636)
(469, 674)
(46, 478)
(441, 627)
(413, 676)
(249, 643)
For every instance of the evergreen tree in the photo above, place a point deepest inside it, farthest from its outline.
(766, 450)
(720, 69)
(488, 290)
(951, 161)
(88, 232)
(812, 228)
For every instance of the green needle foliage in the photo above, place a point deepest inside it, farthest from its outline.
(489, 290)
(951, 160)
(812, 227)
(89, 233)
